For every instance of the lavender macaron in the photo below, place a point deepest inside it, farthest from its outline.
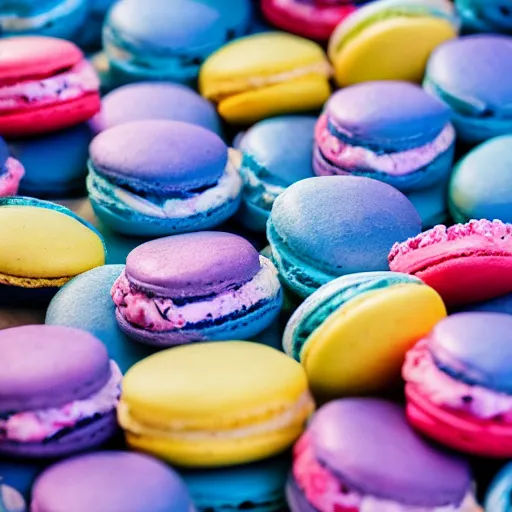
(196, 286)
(59, 392)
(155, 178)
(361, 455)
(110, 482)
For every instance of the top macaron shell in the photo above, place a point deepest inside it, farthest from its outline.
(370, 446)
(457, 348)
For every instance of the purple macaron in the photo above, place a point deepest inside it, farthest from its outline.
(110, 482)
(59, 392)
(197, 286)
(360, 454)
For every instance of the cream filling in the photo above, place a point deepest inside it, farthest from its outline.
(297, 412)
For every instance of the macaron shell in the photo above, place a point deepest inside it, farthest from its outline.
(499, 494)
(393, 49)
(41, 243)
(360, 348)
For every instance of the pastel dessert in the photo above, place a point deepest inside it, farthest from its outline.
(431, 204)
(493, 16)
(45, 85)
(322, 228)
(56, 18)
(85, 303)
(391, 131)
(464, 263)
(359, 455)
(235, 16)
(459, 389)
(390, 40)
(44, 245)
(499, 494)
(139, 187)
(311, 18)
(258, 486)
(10, 499)
(59, 392)
(469, 74)
(110, 482)
(159, 41)
(55, 164)
(481, 184)
(246, 402)
(11, 172)
(277, 152)
(193, 287)
(352, 334)
(155, 100)
(265, 75)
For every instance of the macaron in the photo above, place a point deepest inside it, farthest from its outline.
(161, 41)
(493, 16)
(11, 172)
(277, 152)
(499, 495)
(246, 402)
(193, 287)
(235, 16)
(10, 499)
(46, 85)
(85, 303)
(56, 18)
(315, 20)
(59, 392)
(259, 486)
(155, 100)
(322, 228)
(43, 246)
(265, 75)
(352, 334)
(469, 74)
(110, 482)
(55, 164)
(361, 455)
(139, 187)
(481, 185)
(458, 389)
(390, 40)
(431, 204)
(464, 263)
(390, 130)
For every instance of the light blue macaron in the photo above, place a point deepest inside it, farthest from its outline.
(491, 16)
(236, 16)
(499, 493)
(277, 152)
(161, 40)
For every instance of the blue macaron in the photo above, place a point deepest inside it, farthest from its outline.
(431, 204)
(325, 227)
(481, 183)
(276, 153)
(499, 493)
(85, 303)
(158, 40)
(491, 16)
(472, 75)
(55, 164)
(258, 486)
(235, 16)
(55, 18)
(155, 100)
(156, 178)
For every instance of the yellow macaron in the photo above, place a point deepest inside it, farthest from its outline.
(352, 334)
(215, 404)
(390, 40)
(264, 75)
(42, 246)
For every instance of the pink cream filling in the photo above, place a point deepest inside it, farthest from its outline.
(70, 84)
(444, 391)
(38, 425)
(348, 157)
(10, 180)
(325, 492)
(484, 235)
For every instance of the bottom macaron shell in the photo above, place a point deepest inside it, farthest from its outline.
(51, 118)
(466, 279)
(16, 296)
(297, 502)
(77, 440)
(465, 434)
(243, 327)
